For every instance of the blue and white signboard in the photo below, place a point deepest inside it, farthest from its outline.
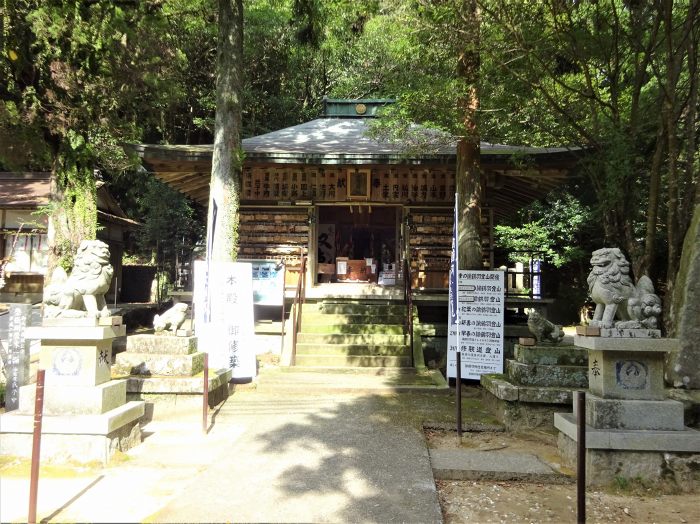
(224, 325)
(480, 307)
(268, 282)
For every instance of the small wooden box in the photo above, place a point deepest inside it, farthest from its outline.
(326, 269)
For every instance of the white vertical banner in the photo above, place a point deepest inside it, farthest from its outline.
(480, 308)
(227, 333)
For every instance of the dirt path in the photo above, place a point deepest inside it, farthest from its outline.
(465, 501)
(507, 502)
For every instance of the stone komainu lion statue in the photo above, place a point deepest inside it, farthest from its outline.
(616, 296)
(82, 294)
(172, 318)
(543, 329)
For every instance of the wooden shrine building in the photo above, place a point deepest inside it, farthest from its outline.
(358, 206)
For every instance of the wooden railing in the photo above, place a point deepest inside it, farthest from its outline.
(296, 308)
(408, 297)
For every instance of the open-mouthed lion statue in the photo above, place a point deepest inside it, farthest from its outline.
(82, 294)
(616, 296)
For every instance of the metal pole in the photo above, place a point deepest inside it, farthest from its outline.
(458, 387)
(205, 395)
(36, 445)
(581, 458)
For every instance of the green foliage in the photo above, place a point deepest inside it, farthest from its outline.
(552, 226)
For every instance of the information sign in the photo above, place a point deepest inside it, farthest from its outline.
(478, 335)
(17, 370)
(268, 282)
(224, 320)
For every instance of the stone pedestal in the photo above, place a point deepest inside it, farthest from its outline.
(537, 382)
(165, 371)
(632, 430)
(86, 414)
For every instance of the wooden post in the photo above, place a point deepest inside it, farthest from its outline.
(205, 395)
(36, 445)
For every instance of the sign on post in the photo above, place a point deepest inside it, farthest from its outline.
(477, 332)
(224, 322)
(17, 369)
(268, 282)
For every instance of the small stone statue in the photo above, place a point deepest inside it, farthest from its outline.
(172, 318)
(616, 296)
(543, 330)
(82, 294)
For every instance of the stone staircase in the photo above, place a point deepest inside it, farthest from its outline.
(342, 334)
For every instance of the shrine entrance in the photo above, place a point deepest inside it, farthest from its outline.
(358, 243)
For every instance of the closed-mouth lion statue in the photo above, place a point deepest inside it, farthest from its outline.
(616, 296)
(172, 318)
(82, 294)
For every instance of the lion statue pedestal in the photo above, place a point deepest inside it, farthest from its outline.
(86, 415)
(629, 420)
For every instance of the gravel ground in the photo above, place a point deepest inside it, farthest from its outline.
(508, 502)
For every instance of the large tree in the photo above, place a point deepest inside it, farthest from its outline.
(620, 80)
(77, 79)
(225, 186)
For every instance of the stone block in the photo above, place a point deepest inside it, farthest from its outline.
(647, 345)
(498, 387)
(547, 376)
(75, 400)
(630, 333)
(161, 344)
(158, 364)
(604, 467)
(685, 441)
(183, 333)
(663, 415)
(116, 320)
(76, 362)
(626, 375)
(82, 321)
(68, 332)
(101, 424)
(588, 331)
(527, 341)
(82, 448)
(551, 355)
(177, 384)
(545, 395)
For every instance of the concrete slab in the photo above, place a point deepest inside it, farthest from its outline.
(460, 464)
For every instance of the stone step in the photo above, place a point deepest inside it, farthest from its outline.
(551, 355)
(353, 329)
(360, 308)
(315, 317)
(352, 360)
(353, 349)
(161, 344)
(548, 376)
(156, 364)
(342, 338)
(350, 380)
(344, 370)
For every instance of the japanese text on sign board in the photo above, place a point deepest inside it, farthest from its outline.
(479, 333)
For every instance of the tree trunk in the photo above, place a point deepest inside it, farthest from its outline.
(225, 184)
(469, 188)
(468, 170)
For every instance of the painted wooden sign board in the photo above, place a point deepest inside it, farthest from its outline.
(481, 304)
(224, 325)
